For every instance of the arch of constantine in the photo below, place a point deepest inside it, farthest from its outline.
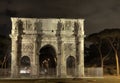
(47, 47)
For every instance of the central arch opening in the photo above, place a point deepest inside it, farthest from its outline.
(47, 60)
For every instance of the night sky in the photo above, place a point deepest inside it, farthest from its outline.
(98, 14)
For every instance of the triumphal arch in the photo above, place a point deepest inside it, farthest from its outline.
(47, 47)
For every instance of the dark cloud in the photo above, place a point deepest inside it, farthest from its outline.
(98, 14)
(3, 6)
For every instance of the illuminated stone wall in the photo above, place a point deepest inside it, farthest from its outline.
(29, 35)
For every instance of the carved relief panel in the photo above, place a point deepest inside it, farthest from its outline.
(38, 25)
(69, 49)
(27, 48)
(29, 25)
(32, 26)
(67, 25)
(67, 29)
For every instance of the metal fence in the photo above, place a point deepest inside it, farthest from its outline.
(89, 72)
(5, 72)
(94, 72)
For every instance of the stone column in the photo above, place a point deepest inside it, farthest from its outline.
(81, 66)
(58, 65)
(17, 30)
(58, 35)
(81, 49)
(14, 56)
(35, 62)
(63, 62)
(81, 59)
(79, 41)
(59, 57)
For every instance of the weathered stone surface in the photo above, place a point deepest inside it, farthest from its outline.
(29, 35)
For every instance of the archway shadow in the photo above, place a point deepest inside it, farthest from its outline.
(47, 60)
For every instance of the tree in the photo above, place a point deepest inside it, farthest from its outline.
(102, 46)
(5, 48)
(97, 41)
(113, 37)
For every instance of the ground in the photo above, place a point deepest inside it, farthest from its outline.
(63, 80)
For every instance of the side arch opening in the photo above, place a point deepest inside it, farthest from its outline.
(25, 66)
(70, 63)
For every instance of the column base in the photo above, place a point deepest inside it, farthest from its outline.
(63, 76)
(34, 76)
(15, 76)
(15, 72)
